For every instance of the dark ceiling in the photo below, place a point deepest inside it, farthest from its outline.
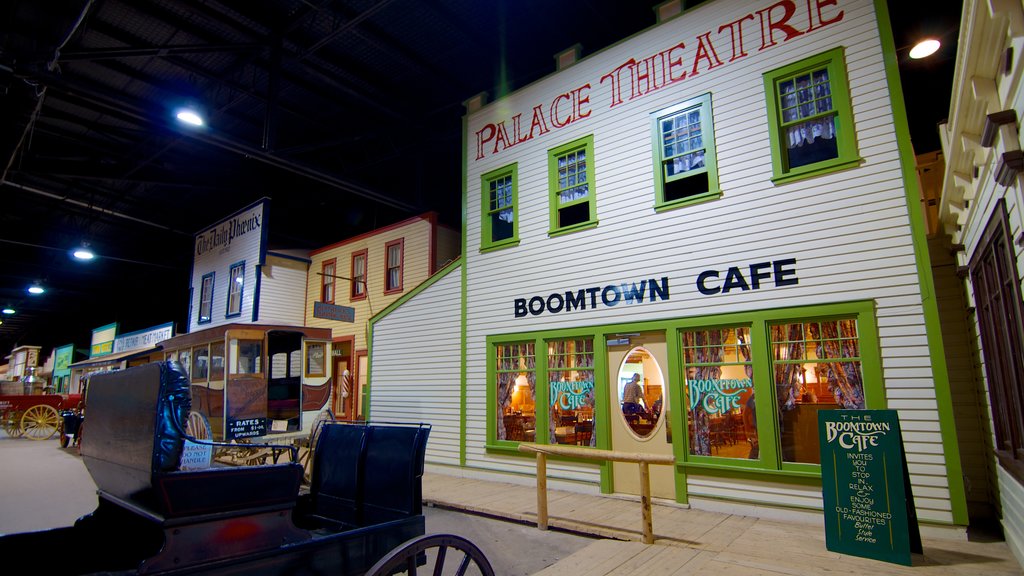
(347, 114)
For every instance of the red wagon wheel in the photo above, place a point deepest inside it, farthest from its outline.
(40, 422)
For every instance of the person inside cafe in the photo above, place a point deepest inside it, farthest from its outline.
(633, 397)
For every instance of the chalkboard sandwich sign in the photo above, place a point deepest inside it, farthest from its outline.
(869, 507)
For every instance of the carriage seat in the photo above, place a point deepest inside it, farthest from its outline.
(134, 445)
(364, 474)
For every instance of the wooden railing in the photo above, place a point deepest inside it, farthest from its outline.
(644, 460)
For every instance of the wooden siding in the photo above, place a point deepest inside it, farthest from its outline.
(448, 246)
(849, 230)
(281, 292)
(1012, 495)
(220, 265)
(414, 366)
(417, 267)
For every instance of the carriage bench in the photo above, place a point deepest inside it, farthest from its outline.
(136, 436)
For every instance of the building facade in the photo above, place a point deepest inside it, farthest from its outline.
(351, 280)
(981, 210)
(688, 243)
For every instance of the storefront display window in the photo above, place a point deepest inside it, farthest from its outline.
(719, 391)
(200, 363)
(499, 208)
(571, 392)
(685, 153)
(816, 366)
(516, 380)
(315, 359)
(571, 169)
(641, 392)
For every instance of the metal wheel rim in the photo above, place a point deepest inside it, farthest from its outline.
(40, 422)
(404, 557)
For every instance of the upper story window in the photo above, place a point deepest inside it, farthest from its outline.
(327, 281)
(359, 275)
(206, 298)
(393, 275)
(810, 117)
(684, 144)
(236, 278)
(571, 180)
(500, 227)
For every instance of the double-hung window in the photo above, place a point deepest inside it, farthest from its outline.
(571, 181)
(359, 275)
(810, 117)
(500, 227)
(206, 298)
(327, 274)
(394, 252)
(236, 279)
(684, 144)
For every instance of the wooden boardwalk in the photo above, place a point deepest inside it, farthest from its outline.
(695, 541)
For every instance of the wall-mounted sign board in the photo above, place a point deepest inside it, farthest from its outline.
(869, 507)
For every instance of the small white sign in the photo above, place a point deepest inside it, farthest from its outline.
(195, 456)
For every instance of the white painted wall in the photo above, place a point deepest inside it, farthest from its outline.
(282, 292)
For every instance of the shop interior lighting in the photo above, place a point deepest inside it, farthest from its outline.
(8, 311)
(924, 48)
(36, 289)
(190, 116)
(84, 253)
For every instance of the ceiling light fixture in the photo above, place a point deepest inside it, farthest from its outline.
(83, 252)
(36, 289)
(924, 48)
(8, 311)
(190, 116)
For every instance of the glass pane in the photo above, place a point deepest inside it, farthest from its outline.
(200, 363)
(719, 389)
(185, 357)
(217, 361)
(815, 368)
(641, 391)
(571, 392)
(516, 387)
(248, 354)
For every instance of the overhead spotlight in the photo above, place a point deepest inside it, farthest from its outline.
(36, 289)
(924, 48)
(190, 116)
(83, 252)
(8, 311)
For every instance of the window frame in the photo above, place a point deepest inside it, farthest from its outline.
(231, 285)
(355, 282)
(487, 241)
(834, 61)
(202, 289)
(388, 288)
(710, 155)
(323, 355)
(328, 280)
(585, 143)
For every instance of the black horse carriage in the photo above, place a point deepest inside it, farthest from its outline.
(362, 514)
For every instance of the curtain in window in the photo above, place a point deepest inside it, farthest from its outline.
(806, 96)
(513, 359)
(787, 376)
(703, 346)
(838, 339)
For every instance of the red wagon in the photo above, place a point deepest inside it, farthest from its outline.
(34, 416)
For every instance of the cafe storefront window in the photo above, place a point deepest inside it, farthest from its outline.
(816, 366)
(516, 386)
(571, 392)
(719, 391)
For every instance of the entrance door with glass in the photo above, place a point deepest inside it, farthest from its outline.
(638, 388)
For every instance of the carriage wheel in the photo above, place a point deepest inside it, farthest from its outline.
(64, 440)
(461, 555)
(40, 422)
(198, 426)
(12, 424)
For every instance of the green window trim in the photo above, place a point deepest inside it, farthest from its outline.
(683, 135)
(573, 198)
(499, 194)
(833, 92)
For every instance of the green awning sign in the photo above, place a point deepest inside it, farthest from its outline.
(869, 507)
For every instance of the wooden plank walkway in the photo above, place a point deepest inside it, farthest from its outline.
(695, 541)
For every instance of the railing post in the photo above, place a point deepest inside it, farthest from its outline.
(645, 503)
(542, 491)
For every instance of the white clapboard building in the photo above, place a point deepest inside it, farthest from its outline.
(982, 210)
(688, 243)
